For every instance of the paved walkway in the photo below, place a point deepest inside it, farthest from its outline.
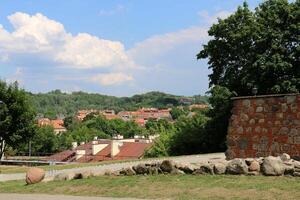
(101, 169)
(54, 197)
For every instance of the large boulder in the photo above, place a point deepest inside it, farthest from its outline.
(167, 166)
(220, 168)
(34, 175)
(272, 166)
(237, 166)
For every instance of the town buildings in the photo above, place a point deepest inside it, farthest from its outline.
(57, 124)
(103, 149)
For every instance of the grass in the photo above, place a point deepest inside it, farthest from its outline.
(183, 187)
(10, 169)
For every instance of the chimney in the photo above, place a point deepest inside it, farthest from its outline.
(79, 154)
(74, 145)
(114, 148)
(96, 147)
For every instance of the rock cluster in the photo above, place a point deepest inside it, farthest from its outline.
(268, 166)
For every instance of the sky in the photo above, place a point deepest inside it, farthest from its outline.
(111, 47)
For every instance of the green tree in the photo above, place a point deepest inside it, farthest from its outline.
(16, 117)
(256, 49)
(250, 49)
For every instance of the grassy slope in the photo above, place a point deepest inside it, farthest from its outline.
(171, 187)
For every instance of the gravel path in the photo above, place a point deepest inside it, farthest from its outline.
(101, 169)
(54, 197)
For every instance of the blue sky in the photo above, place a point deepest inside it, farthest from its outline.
(111, 47)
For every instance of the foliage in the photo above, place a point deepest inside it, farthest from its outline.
(251, 49)
(191, 136)
(16, 116)
(259, 48)
(161, 146)
(56, 102)
(177, 112)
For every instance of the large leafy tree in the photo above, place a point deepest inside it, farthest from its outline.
(250, 49)
(256, 49)
(16, 117)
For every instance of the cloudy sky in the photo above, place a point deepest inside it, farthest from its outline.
(111, 47)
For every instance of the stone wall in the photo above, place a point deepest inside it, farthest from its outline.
(264, 125)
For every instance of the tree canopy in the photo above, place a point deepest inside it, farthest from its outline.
(256, 49)
(16, 116)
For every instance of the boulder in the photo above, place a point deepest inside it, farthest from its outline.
(272, 166)
(167, 166)
(288, 168)
(207, 169)
(296, 164)
(254, 166)
(141, 169)
(154, 170)
(296, 174)
(34, 175)
(237, 166)
(127, 171)
(220, 168)
(188, 168)
(65, 176)
(285, 157)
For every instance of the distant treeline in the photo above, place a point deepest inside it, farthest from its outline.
(55, 103)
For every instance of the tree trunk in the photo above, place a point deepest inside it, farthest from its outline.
(2, 147)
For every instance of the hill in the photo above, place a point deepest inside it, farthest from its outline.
(57, 103)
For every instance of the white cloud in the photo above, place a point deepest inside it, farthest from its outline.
(41, 35)
(86, 51)
(111, 78)
(160, 44)
(118, 9)
(211, 19)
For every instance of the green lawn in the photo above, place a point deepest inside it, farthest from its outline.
(183, 187)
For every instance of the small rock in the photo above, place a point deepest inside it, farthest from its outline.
(176, 172)
(127, 171)
(297, 174)
(153, 170)
(66, 176)
(285, 157)
(188, 169)
(220, 168)
(272, 166)
(207, 169)
(141, 169)
(34, 175)
(237, 166)
(254, 166)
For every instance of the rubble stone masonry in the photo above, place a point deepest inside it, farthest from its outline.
(264, 125)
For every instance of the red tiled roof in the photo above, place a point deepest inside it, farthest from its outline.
(132, 149)
(58, 124)
(127, 150)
